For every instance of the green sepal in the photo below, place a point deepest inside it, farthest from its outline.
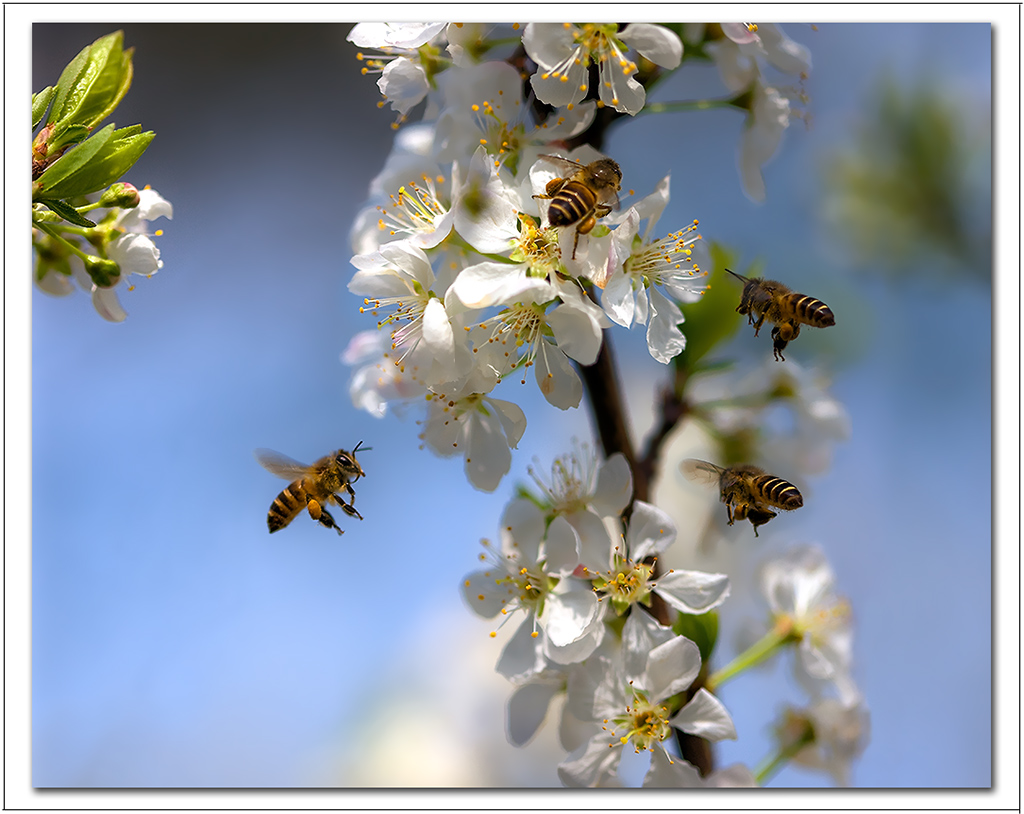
(66, 211)
(40, 102)
(713, 318)
(700, 629)
(94, 82)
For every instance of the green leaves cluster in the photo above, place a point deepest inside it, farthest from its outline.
(68, 162)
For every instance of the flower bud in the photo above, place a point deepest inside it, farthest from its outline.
(122, 195)
(104, 273)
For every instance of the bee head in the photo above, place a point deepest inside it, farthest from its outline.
(347, 461)
(606, 173)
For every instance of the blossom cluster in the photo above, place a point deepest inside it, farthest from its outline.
(456, 257)
(122, 238)
(498, 239)
(583, 583)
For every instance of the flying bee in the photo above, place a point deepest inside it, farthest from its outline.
(773, 301)
(312, 487)
(591, 192)
(747, 491)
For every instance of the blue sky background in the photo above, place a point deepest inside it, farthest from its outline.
(175, 643)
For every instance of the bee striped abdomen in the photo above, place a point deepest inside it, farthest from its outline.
(570, 204)
(286, 505)
(779, 492)
(812, 311)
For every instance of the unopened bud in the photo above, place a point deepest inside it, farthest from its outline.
(122, 195)
(104, 273)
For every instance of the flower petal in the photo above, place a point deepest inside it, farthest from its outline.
(693, 591)
(672, 667)
(526, 710)
(706, 716)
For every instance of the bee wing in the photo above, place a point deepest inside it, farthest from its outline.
(609, 197)
(701, 471)
(281, 465)
(568, 163)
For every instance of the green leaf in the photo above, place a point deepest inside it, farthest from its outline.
(713, 318)
(702, 630)
(41, 101)
(68, 164)
(94, 82)
(111, 163)
(66, 211)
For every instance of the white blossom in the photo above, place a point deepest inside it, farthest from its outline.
(636, 715)
(800, 592)
(564, 51)
(532, 573)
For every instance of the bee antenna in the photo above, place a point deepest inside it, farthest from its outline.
(737, 276)
(360, 446)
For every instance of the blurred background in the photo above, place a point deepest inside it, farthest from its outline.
(175, 643)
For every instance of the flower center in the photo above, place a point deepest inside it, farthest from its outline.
(643, 724)
(413, 210)
(573, 480)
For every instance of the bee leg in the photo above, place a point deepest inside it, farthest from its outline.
(779, 345)
(321, 515)
(757, 325)
(348, 508)
(351, 511)
(583, 228)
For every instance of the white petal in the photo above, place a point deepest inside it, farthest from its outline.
(437, 332)
(487, 455)
(735, 776)
(595, 542)
(782, 52)
(556, 378)
(666, 773)
(397, 35)
(567, 616)
(55, 283)
(135, 254)
(595, 765)
(651, 531)
(482, 593)
(523, 523)
(526, 710)
(614, 486)
(547, 43)
(404, 84)
(671, 667)
(655, 42)
(513, 420)
(618, 300)
(561, 547)
(491, 283)
(575, 333)
(522, 656)
(640, 635)
(617, 89)
(105, 302)
(706, 716)
(693, 591)
(664, 339)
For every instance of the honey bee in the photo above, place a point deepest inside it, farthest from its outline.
(786, 309)
(312, 487)
(591, 192)
(747, 491)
